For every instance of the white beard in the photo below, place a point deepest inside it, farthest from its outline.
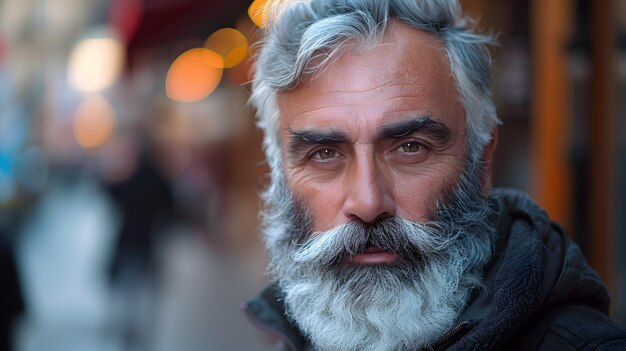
(404, 306)
(376, 309)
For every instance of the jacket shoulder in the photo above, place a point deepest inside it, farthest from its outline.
(572, 328)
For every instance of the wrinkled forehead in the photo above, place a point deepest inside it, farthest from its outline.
(401, 49)
(405, 62)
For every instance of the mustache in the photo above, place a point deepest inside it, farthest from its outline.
(412, 241)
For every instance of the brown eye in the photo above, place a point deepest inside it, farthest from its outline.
(326, 153)
(410, 147)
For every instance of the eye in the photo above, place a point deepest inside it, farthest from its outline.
(325, 154)
(410, 152)
(325, 158)
(410, 146)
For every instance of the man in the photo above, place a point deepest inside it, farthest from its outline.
(381, 226)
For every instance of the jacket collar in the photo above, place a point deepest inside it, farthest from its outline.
(267, 312)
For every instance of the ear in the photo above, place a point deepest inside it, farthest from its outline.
(487, 159)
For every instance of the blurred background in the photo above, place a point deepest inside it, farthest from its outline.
(130, 164)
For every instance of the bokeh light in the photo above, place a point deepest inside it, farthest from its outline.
(258, 12)
(194, 75)
(95, 64)
(230, 43)
(94, 122)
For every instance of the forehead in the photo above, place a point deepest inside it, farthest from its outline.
(406, 73)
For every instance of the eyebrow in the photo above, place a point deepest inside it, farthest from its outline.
(332, 136)
(423, 125)
(301, 139)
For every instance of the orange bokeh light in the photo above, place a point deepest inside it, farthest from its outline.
(94, 122)
(230, 43)
(194, 75)
(258, 12)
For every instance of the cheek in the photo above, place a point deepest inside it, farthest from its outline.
(416, 196)
(323, 200)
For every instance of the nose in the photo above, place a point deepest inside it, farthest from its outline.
(367, 197)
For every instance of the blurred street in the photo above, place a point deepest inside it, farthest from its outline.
(62, 254)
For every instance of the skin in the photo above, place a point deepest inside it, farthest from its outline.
(342, 139)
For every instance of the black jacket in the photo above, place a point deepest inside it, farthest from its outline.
(540, 293)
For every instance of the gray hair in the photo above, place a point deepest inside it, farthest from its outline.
(303, 37)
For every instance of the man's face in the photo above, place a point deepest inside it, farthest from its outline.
(378, 226)
(378, 134)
